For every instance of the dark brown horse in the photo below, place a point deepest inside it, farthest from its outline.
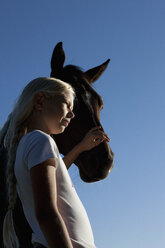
(93, 165)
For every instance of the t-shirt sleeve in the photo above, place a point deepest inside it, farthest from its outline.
(39, 148)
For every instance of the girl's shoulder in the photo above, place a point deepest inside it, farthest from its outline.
(37, 136)
(36, 133)
(36, 147)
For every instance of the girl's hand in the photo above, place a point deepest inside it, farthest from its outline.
(93, 138)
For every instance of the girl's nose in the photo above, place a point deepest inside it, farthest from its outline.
(70, 115)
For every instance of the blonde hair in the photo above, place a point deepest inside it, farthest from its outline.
(16, 128)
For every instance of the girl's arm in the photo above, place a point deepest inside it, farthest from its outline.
(93, 138)
(43, 177)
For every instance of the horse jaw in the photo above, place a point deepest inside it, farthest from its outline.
(93, 168)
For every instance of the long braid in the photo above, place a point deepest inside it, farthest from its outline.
(10, 173)
(9, 235)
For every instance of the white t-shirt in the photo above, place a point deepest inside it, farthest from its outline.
(34, 148)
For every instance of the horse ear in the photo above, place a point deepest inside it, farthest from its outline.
(94, 73)
(57, 60)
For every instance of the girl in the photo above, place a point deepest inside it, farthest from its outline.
(38, 174)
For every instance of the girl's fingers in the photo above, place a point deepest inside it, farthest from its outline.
(97, 134)
(101, 134)
(100, 138)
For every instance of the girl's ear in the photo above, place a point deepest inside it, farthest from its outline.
(39, 101)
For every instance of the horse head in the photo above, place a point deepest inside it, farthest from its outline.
(95, 164)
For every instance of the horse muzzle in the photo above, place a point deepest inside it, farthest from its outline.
(92, 169)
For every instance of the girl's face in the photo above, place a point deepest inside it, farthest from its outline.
(58, 112)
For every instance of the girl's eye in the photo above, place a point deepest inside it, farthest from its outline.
(68, 105)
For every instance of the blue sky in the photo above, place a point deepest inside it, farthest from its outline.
(127, 209)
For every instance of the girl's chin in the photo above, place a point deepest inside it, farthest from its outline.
(61, 129)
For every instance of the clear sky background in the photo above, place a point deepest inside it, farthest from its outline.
(127, 209)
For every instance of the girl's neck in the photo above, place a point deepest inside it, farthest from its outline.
(36, 123)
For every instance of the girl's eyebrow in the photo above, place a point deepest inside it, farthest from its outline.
(68, 102)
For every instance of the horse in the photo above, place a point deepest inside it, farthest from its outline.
(93, 165)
